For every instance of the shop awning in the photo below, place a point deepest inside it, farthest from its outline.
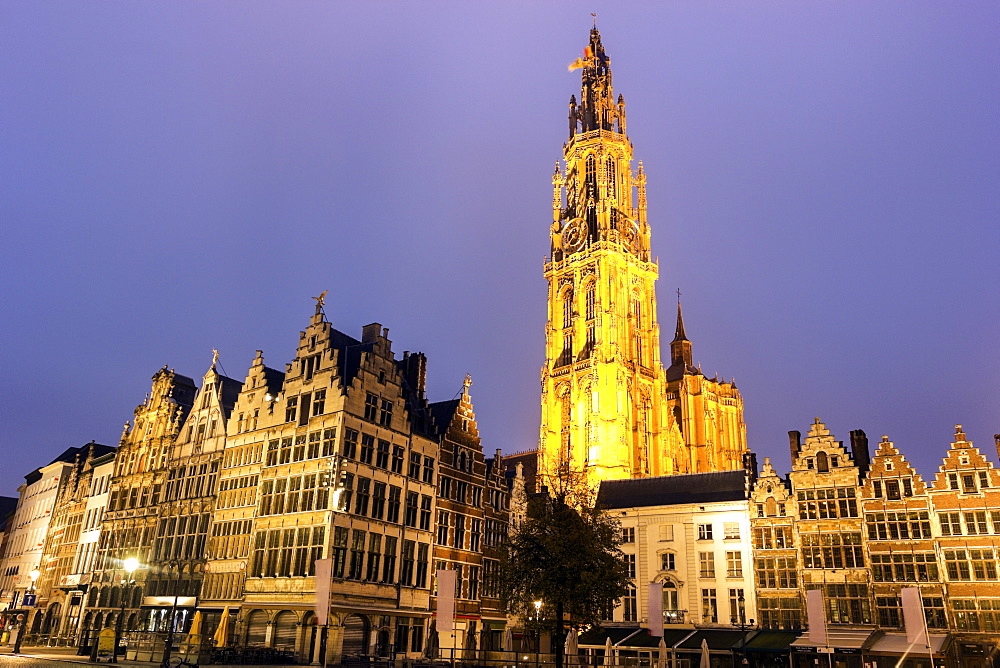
(643, 639)
(599, 637)
(855, 639)
(718, 639)
(771, 641)
(896, 644)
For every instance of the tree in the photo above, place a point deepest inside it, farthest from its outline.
(565, 554)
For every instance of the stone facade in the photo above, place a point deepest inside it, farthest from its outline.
(609, 409)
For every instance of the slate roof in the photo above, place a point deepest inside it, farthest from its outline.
(674, 489)
(443, 412)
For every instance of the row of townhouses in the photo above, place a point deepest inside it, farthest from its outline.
(226, 494)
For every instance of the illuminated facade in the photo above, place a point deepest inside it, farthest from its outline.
(609, 408)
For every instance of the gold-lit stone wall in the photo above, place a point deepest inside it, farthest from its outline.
(609, 408)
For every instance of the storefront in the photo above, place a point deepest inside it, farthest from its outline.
(892, 650)
(844, 648)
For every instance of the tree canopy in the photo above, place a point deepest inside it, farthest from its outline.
(565, 554)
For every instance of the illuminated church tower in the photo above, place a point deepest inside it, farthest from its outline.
(609, 409)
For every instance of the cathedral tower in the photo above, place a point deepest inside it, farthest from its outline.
(608, 408)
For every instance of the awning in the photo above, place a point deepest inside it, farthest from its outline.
(718, 640)
(771, 641)
(896, 644)
(599, 637)
(643, 639)
(854, 639)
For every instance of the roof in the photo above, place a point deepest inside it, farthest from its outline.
(443, 412)
(598, 637)
(674, 489)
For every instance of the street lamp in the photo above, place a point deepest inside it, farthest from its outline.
(538, 631)
(24, 617)
(173, 616)
(742, 623)
(129, 565)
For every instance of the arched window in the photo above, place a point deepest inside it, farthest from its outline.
(567, 306)
(671, 614)
(771, 507)
(591, 301)
(612, 179)
(591, 173)
(822, 463)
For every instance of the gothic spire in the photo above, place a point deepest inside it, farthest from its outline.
(597, 109)
(680, 347)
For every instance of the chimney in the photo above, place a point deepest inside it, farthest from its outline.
(996, 437)
(415, 372)
(370, 333)
(795, 444)
(859, 450)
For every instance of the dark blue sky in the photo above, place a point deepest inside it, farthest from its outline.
(178, 176)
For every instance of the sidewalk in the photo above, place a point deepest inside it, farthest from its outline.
(69, 655)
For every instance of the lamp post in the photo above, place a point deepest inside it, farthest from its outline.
(24, 617)
(170, 624)
(129, 565)
(538, 631)
(742, 623)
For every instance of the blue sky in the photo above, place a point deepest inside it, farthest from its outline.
(181, 176)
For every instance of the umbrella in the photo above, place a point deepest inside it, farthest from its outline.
(609, 654)
(662, 654)
(432, 646)
(221, 636)
(706, 662)
(193, 641)
(571, 647)
(195, 629)
(508, 640)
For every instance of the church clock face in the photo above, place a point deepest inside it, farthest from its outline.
(574, 235)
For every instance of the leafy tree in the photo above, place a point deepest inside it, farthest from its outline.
(565, 554)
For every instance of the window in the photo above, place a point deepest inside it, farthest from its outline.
(776, 572)
(385, 415)
(319, 402)
(363, 495)
(706, 564)
(668, 561)
(428, 470)
(704, 532)
(734, 564)
(410, 517)
(444, 483)
(340, 535)
(414, 471)
(968, 483)
(382, 455)
(887, 612)
(475, 533)
(422, 562)
(709, 606)
(904, 567)
(290, 408)
(395, 493)
(371, 406)
(832, 550)
(951, 524)
(934, 612)
(898, 525)
(374, 556)
(367, 448)
(772, 538)
(378, 500)
(630, 604)
(408, 562)
(846, 603)
(425, 512)
(397, 458)
(350, 443)
(827, 503)
(780, 613)
(666, 532)
(459, 530)
(444, 524)
(630, 565)
(892, 490)
(975, 522)
(970, 564)
(972, 617)
(389, 564)
(357, 554)
(628, 534)
(732, 530)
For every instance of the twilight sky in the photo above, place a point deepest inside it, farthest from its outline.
(823, 186)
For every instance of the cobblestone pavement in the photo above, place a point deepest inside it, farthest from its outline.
(65, 657)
